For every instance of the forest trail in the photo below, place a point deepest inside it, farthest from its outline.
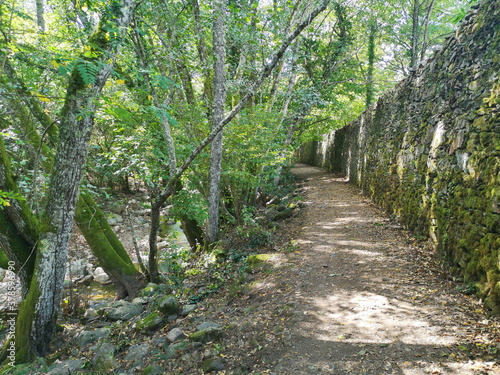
(357, 295)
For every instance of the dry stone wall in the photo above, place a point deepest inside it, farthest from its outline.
(429, 151)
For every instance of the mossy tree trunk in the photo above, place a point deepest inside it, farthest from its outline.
(370, 85)
(19, 228)
(128, 283)
(107, 248)
(38, 311)
(4, 260)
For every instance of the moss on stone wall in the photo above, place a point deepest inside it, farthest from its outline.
(429, 151)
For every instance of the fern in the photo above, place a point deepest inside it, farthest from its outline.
(88, 71)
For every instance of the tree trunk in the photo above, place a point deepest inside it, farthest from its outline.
(109, 249)
(38, 311)
(284, 113)
(415, 33)
(219, 43)
(372, 31)
(425, 38)
(4, 260)
(202, 51)
(154, 273)
(18, 227)
(193, 232)
(40, 20)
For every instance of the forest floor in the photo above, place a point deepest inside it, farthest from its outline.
(354, 294)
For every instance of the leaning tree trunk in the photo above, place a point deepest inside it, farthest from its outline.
(219, 43)
(107, 248)
(38, 312)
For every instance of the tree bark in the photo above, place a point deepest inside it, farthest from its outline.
(372, 31)
(415, 33)
(104, 245)
(40, 20)
(38, 311)
(219, 47)
(284, 113)
(202, 51)
(425, 38)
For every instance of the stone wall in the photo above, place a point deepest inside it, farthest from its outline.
(429, 151)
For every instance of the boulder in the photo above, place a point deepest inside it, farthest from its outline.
(100, 276)
(150, 323)
(186, 310)
(150, 290)
(90, 314)
(153, 370)
(168, 305)
(77, 269)
(211, 365)
(177, 349)
(207, 335)
(175, 334)
(153, 289)
(69, 366)
(206, 325)
(123, 310)
(136, 353)
(87, 337)
(115, 219)
(104, 360)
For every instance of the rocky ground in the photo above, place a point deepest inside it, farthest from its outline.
(342, 289)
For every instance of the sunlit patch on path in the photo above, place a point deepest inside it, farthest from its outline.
(363, 303)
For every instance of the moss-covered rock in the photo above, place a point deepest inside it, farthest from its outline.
(153, 289)
(123, 310)
(204, 336)
(212, 365)
(104, 360)
(168, 305)
(154, 370)
(150, 323)
(255, 260)
(177, 349)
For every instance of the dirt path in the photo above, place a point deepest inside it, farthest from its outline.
(355, 295)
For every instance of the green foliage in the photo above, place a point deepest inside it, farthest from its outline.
(191, 203)
(255, 235)
(88, 71)
(7, 196)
